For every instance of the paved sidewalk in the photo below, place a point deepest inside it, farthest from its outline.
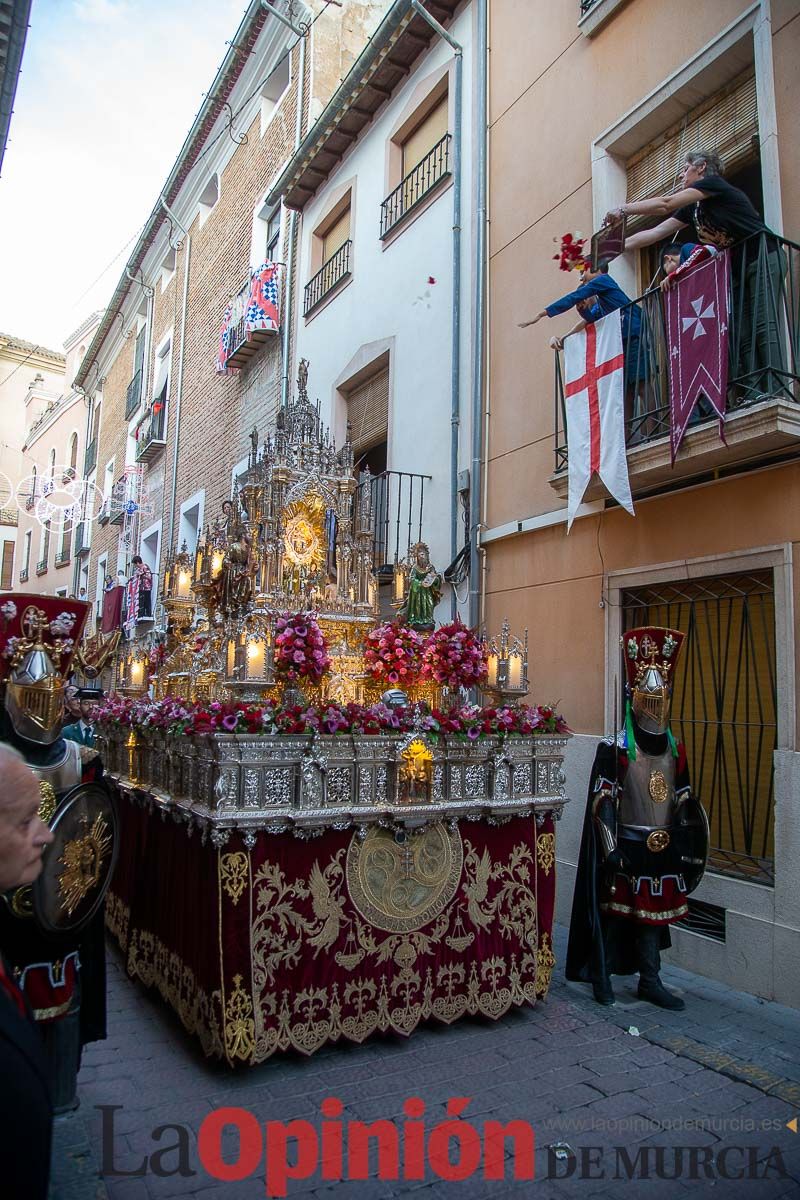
(628, 1091)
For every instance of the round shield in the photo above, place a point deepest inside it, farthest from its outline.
(78, 864)
(691, 836)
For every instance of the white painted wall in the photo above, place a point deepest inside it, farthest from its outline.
(383, 300)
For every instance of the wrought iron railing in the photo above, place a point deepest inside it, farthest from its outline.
(725, 706)
(416, 185)
(90, 458)
(41, 566)
(9, 516)
(237, 331)
(133, 395)
(152, 431)
(330, 273)
(763, 346)
(62, 557)
(396, 500)
(586, 5)
(23, 575)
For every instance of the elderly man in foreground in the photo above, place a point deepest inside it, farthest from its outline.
(26, 1114)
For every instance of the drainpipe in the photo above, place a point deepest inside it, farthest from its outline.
(288, 294)
(480, 59)
(179, 382)
(455, 372)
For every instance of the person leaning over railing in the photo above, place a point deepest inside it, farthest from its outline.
(724, 217)
(598, 296)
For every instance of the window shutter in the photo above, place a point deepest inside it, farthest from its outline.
(727, 124)
(425, 136)
(368, 413)
(336, 236)
(8, 566)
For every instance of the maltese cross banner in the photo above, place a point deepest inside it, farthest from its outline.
(697, 343)
(594, 393)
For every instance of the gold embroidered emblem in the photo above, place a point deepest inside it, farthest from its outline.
(48, 802)
(401, 881)
(233, 874)
(22, 902)
(546, 851)
(659, 789)
(658, 840)
(240, 1028)
(545, 961)
(83, 860)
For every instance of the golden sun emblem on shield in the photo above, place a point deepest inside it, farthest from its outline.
(83, 860)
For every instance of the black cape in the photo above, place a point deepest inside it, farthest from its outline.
(600, 945)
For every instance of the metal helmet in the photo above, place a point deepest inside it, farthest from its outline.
(394, 698)
(650, 657)
(35, 698)
(38, 636)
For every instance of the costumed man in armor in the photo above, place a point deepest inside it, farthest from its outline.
(645, 836)
(56, 951)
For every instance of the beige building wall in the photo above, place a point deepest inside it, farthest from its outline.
(568, 104)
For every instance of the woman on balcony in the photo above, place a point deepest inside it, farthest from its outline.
(723, 216)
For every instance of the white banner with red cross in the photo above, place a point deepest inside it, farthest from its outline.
(594, 392)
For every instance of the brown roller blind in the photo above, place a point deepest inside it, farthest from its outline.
(425, 136)
(727, 124)
(8, 566)
(368, 413)
(336, 236)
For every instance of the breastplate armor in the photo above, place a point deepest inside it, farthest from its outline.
(64, 774)
(648, 793)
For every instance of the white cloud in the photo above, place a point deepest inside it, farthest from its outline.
(107, 92)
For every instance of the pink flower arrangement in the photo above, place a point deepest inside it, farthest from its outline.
(393, 653)
(454, 656)
(300, 650)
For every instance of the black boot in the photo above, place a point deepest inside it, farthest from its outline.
(603, 992)
(650, 986)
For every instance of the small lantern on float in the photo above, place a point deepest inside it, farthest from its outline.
(507, 666)
(249, 650)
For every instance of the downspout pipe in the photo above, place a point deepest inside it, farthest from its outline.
(455, 366)
(288, 303)
(179, 381)
(479, 329)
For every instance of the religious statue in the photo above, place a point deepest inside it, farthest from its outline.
(645, 835)
(235, 585)
(424, 589)
(302, 377)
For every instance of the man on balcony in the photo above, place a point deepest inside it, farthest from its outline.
(723, 216)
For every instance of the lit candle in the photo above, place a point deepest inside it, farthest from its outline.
(231, 657)
(399, 585)
(216, 563)
(515, 671)
(198, 561)
(184, 583)
(137, 672)
(255, 659)
(492, 668)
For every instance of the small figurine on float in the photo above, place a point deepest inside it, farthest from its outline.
(645, 836)
(424, 590)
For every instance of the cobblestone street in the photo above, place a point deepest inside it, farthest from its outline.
(627, 1085)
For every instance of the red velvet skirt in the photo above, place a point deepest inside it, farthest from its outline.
(654, 902)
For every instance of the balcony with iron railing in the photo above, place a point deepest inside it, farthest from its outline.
(133, 395)
(418, 184)
(90, 457)
(152, 435)
(81, 533)
(763, 397)
(396, 500)
(9, 516)
(252, 319)
(63, 556)
(41, 566)
(329, 276)
(23, 575)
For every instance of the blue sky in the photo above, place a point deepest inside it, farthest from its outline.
(107, 92)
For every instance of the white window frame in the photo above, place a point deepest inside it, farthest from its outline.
(155, 565)
(209, 197)
(261, 224)
(271, 103)
(196, 502)
(167, 268)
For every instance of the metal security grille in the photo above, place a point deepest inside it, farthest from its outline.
(724, 706)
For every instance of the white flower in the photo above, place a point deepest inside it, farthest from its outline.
(11, 647)
(61, 625)
(8, 610)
